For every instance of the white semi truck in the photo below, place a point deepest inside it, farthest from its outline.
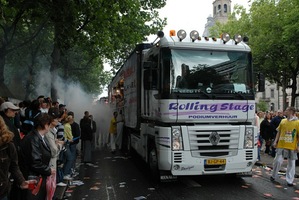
(188, 104)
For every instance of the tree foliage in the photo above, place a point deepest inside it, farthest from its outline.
(262, 106)
(272, 28)
(78, 37)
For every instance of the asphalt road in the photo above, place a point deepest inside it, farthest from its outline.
(117, 177)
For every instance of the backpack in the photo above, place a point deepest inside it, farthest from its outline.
(28, 123)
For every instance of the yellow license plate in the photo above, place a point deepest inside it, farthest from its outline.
(215, 162)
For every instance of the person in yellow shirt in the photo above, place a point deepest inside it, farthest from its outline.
(113, 131)
(67, 165)
(286, 144)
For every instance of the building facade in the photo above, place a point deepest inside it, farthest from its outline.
(273, 97)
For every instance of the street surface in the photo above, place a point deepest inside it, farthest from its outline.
(117, 177)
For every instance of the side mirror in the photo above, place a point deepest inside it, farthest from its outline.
(147, 64)
(147, 79)
(150, 80)
(261, 82)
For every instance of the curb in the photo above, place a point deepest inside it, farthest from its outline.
(269, 166)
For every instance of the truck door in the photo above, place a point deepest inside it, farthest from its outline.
(150, 82)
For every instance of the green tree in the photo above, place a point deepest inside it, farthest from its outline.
(262, 106)
(81, 36)
(14, 20)
(25, 65)
(271, 27)
(110, 28)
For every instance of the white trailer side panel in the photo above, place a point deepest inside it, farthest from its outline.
(130, 91)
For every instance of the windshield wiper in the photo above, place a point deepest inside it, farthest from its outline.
(206, 94)
(241, 95)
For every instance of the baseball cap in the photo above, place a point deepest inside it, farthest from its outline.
(8, 105)
(61, 105)
(55, 112)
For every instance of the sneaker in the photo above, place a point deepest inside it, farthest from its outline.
(78, 183)
(89, 164)
(67, 177)
(272, 179)
(75, 174)
(62, 184)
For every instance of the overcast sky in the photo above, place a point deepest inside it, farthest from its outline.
(189, 14)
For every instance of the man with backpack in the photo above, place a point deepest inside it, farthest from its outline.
(30, 114)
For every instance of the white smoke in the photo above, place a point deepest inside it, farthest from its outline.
(78, 101)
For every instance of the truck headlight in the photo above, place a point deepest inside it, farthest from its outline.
(177, 143)
(225, 37)
(182, 34)
(238, 38)
(194, 35)
(249, 138)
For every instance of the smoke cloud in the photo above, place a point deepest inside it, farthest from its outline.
(77, 100)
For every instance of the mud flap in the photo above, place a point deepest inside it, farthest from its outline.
(166, 176)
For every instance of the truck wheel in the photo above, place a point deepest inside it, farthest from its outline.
(153, 164)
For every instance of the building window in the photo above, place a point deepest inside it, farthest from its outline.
(272, 93)
(219, 7)
(272, 106)
(225, 8)
(214, 10)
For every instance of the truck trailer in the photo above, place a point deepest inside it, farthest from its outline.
(188, 104)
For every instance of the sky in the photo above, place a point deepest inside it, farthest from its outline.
(187, 15)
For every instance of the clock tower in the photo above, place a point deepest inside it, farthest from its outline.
(221, 11)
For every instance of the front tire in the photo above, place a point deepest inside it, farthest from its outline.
(126, 144)
(153, 164)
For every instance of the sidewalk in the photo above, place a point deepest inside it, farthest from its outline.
(267, 160)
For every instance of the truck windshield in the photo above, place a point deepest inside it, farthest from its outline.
(208, 72)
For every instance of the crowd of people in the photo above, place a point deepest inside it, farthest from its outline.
(279, 136)
(38, 145)
(267, 124)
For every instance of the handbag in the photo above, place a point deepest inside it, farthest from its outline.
(51, 186)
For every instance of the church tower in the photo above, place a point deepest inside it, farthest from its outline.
(221, 11)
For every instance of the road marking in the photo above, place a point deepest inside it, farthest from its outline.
(110, 190)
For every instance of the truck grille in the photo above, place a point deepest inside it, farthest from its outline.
(249, 155)
(216, 142)
(177, 157)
